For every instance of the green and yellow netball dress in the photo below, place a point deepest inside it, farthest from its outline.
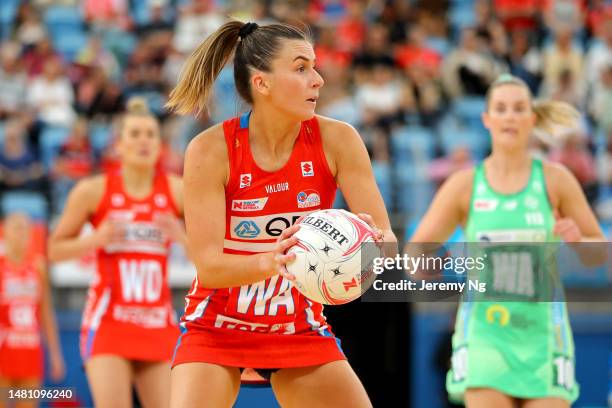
(504, 338)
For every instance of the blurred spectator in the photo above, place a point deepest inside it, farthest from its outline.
(434, 23)
(13, 85)
(51, 96)
(376, 141)
(335, 100)
(351, 28)
(105, 13)
(29, 30)
(599, 55)
(422, 94)
(95, 55)
(599, 11)
(517, 14)
(604, 163)
(562, 60)
(75, 161)
(97, 97)
(19, 169)
(601, 102)
(375, 50)
(498, 41)
(379, 97)
(197, 20)
(483, 12)
(327, 50)
(173, 66)
(576, 157)
(396, 16)
(292, 12)
(470, 68)
(35, 59)
(458, 159)
(564, 15)
(416, 51)
(567, 90)
(525, 60)
(160, 20)
(143, 76)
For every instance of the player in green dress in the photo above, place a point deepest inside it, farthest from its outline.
(513, 352)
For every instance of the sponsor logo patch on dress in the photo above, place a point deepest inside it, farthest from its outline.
(256, 204)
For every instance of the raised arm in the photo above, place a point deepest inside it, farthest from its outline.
(349, 161)
(172, 226)
(83, 200)
(205, 176)
(448, 209)
(575, 222)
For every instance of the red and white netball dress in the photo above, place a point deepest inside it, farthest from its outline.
(129, 310)
(21, 353)
(267, 324)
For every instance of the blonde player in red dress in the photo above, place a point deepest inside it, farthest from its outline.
(26, 313)
(129, 328)
(246, 182)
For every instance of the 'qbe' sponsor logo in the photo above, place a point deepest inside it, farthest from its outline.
(256, 204)
(263, 227)
(247, 229)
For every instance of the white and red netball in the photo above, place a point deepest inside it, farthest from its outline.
(334, 257)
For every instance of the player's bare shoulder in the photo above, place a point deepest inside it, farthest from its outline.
(89, 191)
(556, 173)
(559, 180)
(209, 142)
(336, 132)
(207, 155)
(462, 179)
(458, 188)
(340, 140)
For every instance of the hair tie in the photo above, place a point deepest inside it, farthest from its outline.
(505, 77)
(247, 29)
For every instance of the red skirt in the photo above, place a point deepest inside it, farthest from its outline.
(236, 348)
(129, 341)
(22, 363)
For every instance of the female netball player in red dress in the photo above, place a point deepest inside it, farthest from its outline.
(25, 306)
(246, 182)
(129, 329)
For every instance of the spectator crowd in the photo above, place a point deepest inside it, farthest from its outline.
(411, 76)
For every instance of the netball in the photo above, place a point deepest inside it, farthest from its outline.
(333, 263)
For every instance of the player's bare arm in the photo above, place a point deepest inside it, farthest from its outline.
(206, 173)
(350, 164)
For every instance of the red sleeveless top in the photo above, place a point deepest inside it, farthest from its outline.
(267, 323)
(130, 298)
(20, 301)
(21, 291)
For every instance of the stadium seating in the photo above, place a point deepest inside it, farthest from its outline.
(382, 173)
(31, 203)
(8, 11)
(51, 139)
